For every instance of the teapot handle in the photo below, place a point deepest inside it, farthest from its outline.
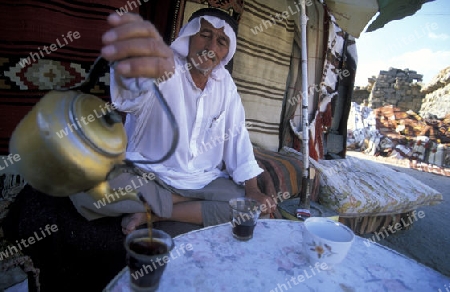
(100, 66)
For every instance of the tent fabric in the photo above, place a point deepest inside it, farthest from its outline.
(261, 65)
(327, 88)
(395, 10)
(293, 98)
(354, 15)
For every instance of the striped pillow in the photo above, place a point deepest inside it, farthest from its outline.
(282, 173)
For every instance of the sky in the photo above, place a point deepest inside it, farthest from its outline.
(420, 42)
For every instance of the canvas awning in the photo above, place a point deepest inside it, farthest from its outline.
(354, 15)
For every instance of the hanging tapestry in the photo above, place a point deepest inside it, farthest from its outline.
(45, 46)
(261, 65)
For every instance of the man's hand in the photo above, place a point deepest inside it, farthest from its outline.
(137, 47)
(252, 191)
(269, 203)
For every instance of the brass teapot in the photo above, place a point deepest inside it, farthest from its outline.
(70, 142)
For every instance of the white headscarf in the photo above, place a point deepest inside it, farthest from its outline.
(181, 44)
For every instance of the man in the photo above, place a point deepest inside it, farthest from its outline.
(214, 159)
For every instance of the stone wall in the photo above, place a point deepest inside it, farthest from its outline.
(437, 100)
(400, 88)
(360, 95)
(397, 116)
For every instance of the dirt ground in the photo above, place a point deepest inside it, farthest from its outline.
(428, 240)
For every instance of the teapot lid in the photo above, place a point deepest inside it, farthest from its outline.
(99, 124)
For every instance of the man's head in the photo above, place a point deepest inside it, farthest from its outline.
(208, 39)
(208, 47)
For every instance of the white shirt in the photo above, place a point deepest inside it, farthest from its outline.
(213, 141)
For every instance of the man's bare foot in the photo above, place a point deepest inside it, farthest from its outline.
(131, 221)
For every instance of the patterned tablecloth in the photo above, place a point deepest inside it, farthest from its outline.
(210, 259)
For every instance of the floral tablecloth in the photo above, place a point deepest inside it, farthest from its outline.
(273, 261)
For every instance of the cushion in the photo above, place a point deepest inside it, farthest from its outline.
(282, 173)
(355, 187)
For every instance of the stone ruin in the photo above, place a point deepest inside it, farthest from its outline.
(404, 89)
(397, 116)
(400, 88)
(436, 104)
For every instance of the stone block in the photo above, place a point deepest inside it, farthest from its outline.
(377, 93)
(407, 98)
(392, 101)
(402, 104)
(390, 80)
(400, 93)
(415, 76)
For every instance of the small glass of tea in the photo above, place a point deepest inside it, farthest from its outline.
(244, 216)
(147, 257)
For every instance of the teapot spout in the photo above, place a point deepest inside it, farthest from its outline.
(101, 191)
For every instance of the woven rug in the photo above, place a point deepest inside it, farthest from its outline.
(332, 74)
(283, 173)
(261, 65)
(44, 46)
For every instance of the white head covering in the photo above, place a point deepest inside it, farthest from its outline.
(181, 43)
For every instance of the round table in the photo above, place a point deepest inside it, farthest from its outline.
(210, 259)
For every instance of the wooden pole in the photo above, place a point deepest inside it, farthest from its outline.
(305, 191)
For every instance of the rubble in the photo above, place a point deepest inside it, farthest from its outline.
(396, 116)
(390, 132)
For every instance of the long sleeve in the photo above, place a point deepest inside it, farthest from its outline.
(137, 98)
(238, 151)
(130, 95)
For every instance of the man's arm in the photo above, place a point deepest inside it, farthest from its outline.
(137, 47)
(252, 191)
(140, 56)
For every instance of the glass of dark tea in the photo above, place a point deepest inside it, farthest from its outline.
(244, 216)
(147, 258)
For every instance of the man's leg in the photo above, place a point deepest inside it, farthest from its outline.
(184, 210)
(188, 212)
(213, 208)
(207, 206)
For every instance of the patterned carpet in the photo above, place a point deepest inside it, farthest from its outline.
(47, 45)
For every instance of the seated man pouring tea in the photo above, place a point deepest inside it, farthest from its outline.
(214, 160)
